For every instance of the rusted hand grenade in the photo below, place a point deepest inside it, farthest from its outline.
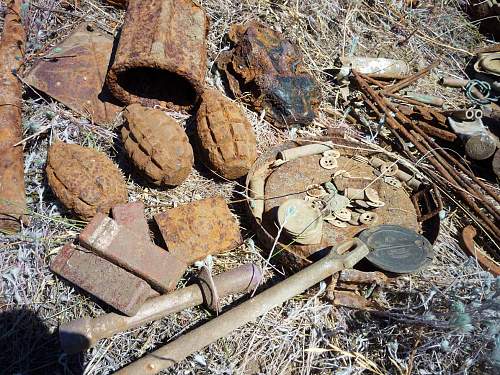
(85, 180)
(157, 145)
(227, 139)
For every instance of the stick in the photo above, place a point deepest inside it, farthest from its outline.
(12, 193)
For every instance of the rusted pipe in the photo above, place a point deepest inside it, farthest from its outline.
(426, 99)
(161, 56)
(437, 132)
(82, 334)
(12, 193)
(197, 339)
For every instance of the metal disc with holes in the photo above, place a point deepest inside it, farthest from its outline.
(396, 249)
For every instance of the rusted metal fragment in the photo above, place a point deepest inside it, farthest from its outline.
(226, 137)
(161, 56)
(157, 145)
(468, 234)
(360, 277)
(131, 216)
(125, 248)
(74, 73)
(85, 180)
(270, 68)
(101, 278)
(12, 193)
(353, 300)
(196, 230)
(496, 163)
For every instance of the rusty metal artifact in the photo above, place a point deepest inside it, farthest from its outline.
(270, 68)
(12, 193)
(352, 252)
(157, 145)
(485, 261)
(84, 333)
(227, 139)
(74, 73)
(161, 56)
(85, 180)
(194, 231)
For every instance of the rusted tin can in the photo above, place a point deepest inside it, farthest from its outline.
(161, 56)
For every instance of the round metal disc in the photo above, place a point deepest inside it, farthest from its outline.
(396, 249)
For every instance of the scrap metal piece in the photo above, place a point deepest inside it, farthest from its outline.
(487, 263)
(248, 311)
(360, 277)
(496, 163)
(161, 56)
(479, 143)
(12, 192)
(271, 68)
(131, 216)
(368, 218)
(302, 222)
(74, 73)
(306, 150)
(389, 169)
(394, 182)
(397, 249)
(227, 140)
(157, 145)
(328, 162)
(196, 230)
(427, 202)
(125, 248)
(85, 180)
(101, 278)
(352, 300)
(84, 333)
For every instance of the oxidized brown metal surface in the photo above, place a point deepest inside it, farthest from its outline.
(352, 300)
(125, 248)
(131, 216)
(161, 56)
(227, 139)
(12, 193)
(398, 207)
(306, 171)
(270, 67)
(157, 145)
(74, 73)
(101, 278)
(85, 180)
(196, 230)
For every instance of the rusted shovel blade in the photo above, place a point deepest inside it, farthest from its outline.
(74, 72)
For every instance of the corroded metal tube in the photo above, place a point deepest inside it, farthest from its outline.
(161, 56)
(81, 334)
(12, 193)
(353, 251)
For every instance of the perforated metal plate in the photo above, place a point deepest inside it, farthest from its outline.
(396, 249)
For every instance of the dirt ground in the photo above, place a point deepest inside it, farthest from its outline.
(442, 320)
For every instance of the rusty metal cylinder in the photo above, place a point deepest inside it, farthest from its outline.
(161, 56)
(81, 334)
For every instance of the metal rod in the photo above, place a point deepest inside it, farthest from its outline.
(411, 79)
(81, 334)
(197, 339)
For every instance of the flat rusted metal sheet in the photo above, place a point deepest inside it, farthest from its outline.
(196, 230)
(74, 73)
(130, 251)
(161, 57)
(271, 69)
(12, 193)
(101, 278)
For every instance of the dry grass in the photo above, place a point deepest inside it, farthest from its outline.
(418, 335)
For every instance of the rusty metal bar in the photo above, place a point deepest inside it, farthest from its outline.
(82, 334)
(12, 192)
(387, 107)
(198, 338)
(411, 79)
(437, 132)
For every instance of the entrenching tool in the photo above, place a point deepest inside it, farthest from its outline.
(81, 334)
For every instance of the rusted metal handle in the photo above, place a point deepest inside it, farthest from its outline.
(352, 252)
(84, 333)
